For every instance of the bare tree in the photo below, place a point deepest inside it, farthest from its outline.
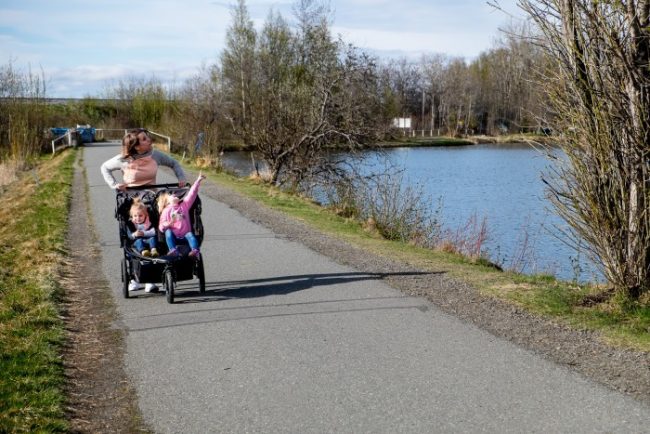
(600, 93)
(237, 66)
(198, 115)
(306, 92)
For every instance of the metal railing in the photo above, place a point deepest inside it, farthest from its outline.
(70, 141)
(169, 140)
(420, 133)
(101, 132)
(72, 138)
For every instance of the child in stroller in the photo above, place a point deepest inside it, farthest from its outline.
(141, 231)
(175, 219)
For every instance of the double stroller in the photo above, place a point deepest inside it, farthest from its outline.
(165, 270)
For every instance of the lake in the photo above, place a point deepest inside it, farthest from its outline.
(501, 183)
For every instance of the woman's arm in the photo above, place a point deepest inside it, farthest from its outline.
(107, 169)
(166, 160)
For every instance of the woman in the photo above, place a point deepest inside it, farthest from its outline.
(139, 163)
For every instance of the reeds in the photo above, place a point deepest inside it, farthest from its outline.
(23, 114)
(400, 211)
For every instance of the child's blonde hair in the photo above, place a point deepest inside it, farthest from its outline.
(137, 205)
(163, 199)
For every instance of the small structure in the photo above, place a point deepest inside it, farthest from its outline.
(403, 123)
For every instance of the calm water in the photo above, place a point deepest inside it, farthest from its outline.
(501, 183)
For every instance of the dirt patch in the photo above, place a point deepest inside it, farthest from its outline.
(580, 350)
(99, 395)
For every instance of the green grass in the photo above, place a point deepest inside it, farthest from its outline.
(34, 216)
(425, 141)
(621, 323)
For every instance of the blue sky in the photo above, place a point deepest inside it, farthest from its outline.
(83, 46)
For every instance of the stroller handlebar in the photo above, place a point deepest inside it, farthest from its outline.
(153, 186)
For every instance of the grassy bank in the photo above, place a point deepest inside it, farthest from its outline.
(414, 142)
(425, 141)
(621, 323)
(469, 140)
(34, 220)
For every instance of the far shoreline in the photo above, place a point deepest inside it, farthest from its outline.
(440, 141)
(467, 140)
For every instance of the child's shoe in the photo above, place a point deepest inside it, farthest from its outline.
(146, 253)
(150, 287)
(154, 253)
(134, 286)
(194, 253)
(172, 253)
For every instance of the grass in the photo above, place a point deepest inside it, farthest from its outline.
(34, 216)
(425, 141)
(621, 323)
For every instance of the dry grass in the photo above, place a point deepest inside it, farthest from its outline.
(31, 331)
(9, 171)
(209, 162)
(263, 176)
(17, 199)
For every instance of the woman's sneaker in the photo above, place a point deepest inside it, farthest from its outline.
(150, 287)
(134, 286)
(154, 253)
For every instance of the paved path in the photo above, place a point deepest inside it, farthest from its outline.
(285, 340)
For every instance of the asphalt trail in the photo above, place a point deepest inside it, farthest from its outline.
(286, 340)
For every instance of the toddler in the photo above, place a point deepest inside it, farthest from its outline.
(144, 234)
(175, 219)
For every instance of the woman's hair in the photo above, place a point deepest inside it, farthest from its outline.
(130, 141)
(163, 199)
(138, 206)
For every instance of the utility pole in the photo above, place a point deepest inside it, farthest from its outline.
(422, 116)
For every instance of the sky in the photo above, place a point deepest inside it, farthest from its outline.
(83, 47)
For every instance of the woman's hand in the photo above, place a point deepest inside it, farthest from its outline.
(182, 183)
(121, 187)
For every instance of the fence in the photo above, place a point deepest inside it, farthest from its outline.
(72, 138)
(421, 133)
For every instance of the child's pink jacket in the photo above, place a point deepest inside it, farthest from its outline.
(181, 225)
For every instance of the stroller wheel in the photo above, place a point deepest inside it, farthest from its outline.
(169, 285)
(200, 273)
(125, 279)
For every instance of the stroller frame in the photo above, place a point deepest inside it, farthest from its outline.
(165, 270)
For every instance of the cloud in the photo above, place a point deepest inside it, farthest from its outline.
(85, 80)
(80, 41)
(413, 42)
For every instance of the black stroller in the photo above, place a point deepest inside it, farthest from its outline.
(165, 270)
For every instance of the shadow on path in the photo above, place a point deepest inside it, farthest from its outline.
(188, 291)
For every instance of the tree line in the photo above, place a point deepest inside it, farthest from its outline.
(305, 68)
